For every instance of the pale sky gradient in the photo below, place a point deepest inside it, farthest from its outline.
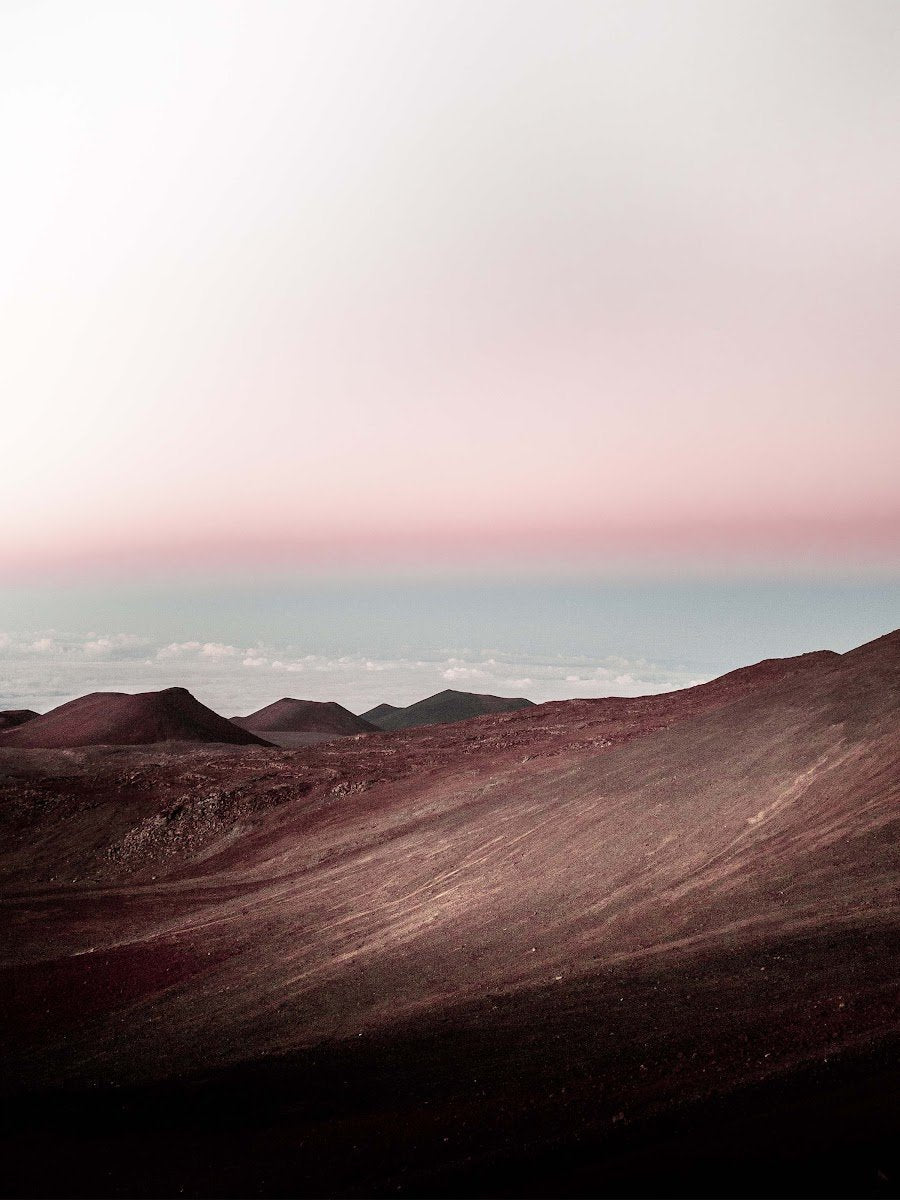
(379, 280)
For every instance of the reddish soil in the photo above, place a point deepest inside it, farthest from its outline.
(119, 719)
(304, 716)
(618, 947)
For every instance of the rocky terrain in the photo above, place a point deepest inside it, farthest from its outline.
(600, 947)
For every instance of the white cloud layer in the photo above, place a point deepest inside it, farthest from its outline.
(43, 668)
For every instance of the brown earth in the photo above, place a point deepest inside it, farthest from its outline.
(615, 947)
(297, 741)
(120, 719)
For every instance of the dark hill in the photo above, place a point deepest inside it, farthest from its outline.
(10, 718)
(380, 713)
(448, 706)
(121, 719)
(304, 716)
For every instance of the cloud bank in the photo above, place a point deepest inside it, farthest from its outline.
(41, 669)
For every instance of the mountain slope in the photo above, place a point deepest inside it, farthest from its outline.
(117, 718)
(664, 938)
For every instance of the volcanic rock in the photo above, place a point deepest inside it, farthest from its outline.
(638, 946)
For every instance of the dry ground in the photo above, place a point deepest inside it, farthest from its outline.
(599, 947)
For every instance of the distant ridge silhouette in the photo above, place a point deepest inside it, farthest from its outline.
(449, 706)
(378, 714)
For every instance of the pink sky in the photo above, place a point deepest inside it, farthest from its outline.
(379, 283)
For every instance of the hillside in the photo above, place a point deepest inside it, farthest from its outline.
(117, 718)
(594, 947)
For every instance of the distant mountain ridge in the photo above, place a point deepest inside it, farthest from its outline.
(447, 707)
(381, 711)
(288, 715)
(123, 719)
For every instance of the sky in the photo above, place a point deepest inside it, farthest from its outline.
(240, 644)
(346, 291)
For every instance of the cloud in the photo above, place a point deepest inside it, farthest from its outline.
(99, 646)
(177, 649)
(234, 679)
(454, 674)
(218, 650)
(212, 650)
(124, 645)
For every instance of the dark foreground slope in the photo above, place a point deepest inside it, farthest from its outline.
(304, 716)
(654, 952)
(448, 706)
(116, 718)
